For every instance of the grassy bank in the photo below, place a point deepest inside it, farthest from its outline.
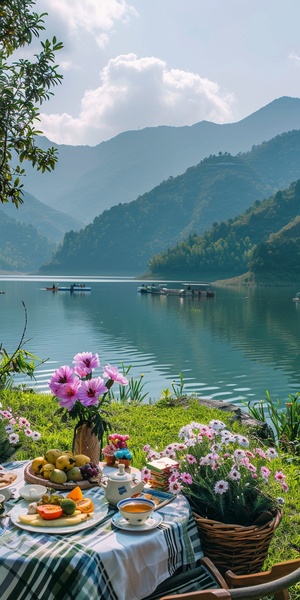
(157, 426)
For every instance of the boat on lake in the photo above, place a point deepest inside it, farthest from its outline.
(188, 289)
(297, 297)
(74, 287)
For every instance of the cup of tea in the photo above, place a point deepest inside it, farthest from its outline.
(136, 511)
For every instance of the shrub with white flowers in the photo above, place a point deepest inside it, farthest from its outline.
(15, 432)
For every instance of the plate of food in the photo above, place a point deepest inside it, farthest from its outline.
(62, 524)
(8, 478)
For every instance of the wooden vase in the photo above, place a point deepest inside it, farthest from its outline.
(86, 442)
(109, 460)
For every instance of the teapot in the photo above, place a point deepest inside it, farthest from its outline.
(120, 485)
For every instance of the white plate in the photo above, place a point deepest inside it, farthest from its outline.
(101, 509)
(18, 478)
(151, 523)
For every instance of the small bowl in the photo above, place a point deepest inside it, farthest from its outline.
(32, 493)
(136, 511)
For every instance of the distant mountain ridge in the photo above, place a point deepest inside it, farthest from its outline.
(124, 238)
(88, 180)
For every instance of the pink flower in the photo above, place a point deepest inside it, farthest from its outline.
(28, 432)
(186, 478)
(90, 390)
(234, 475)
(173, 477)
(68, 391)
(62, 375)
(284, 486)
(265, 473)
(190, 459)
(175, 487)
(85, 362)
(145, 474)
(23, 422)
(13, 438)
(221, 487)
(113, 373)
(279, 476)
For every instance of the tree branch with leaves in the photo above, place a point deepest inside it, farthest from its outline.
(24, 86)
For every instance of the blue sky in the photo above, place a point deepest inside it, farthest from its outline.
(131, 64)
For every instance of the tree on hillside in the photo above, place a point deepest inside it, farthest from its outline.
(24, 85)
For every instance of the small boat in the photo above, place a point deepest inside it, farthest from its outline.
(2, 292)
(151, 289)
(297, 297)
(74, 287)
(192, 290)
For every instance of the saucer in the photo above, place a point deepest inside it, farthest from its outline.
(151, 523)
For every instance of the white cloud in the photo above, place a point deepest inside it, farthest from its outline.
(295, 58)
(136, 93)
(91, 16)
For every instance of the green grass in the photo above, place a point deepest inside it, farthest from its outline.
(157, 425)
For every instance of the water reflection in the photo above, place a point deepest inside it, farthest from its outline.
(237, 344)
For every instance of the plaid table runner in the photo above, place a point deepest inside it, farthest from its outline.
(100, 563)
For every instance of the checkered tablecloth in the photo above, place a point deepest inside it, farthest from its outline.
(100, 563)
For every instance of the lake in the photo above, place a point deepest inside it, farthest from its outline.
(236, 345)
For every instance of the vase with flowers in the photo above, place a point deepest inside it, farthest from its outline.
(117, 450)
(229, 483)
(85, 398)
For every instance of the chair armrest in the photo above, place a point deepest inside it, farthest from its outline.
(276, 572)
(214, 571)
(217, 594)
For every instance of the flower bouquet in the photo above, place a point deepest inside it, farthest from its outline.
(83, 397)
(117, 450)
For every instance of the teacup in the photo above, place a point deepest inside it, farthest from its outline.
(32, 493)
(136, 511)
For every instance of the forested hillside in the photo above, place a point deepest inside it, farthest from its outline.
(124, 238)
(26, 250)
(266, 237)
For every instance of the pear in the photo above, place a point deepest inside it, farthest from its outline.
(38, 463)
(81, 459)
(65, 462)
(45, 470)
(52, 455)
(74, 474)
(58, 476)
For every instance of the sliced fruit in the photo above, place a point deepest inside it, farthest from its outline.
(85, 505)
(75, 494)
(50, 511)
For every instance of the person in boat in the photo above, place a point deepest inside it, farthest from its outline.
(72, 287)
(53, 286)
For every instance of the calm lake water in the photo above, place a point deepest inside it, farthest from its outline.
(236, 345)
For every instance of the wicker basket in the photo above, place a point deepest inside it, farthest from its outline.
(30, 477)
(85, 442)
(241, 549)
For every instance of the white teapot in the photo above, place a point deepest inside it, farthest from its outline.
(120, 485)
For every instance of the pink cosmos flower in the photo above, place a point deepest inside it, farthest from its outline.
(90, 390)
(260, 452)
(186, 478)
(234, 475)
(190, 459)
(68, 390)
(62, 375)
(265, 473)
(13, 438)
(175, 487)
(6, 414)
(284, 486)
(145, 474)
(271, 453)
(85, 362)
(173, 477)
(221, 487)
(23, 422)
(113, 373)
(28, 432)
(279, 476)
(35, 435)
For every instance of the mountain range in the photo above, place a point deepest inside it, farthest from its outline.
(88, 180)
(107, 181)
(124, 238)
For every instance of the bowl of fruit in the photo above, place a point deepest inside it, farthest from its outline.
(61, 469)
